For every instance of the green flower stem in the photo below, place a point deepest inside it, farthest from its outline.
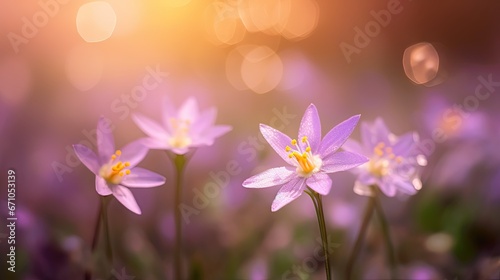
(361, 236)
(104, 216)
(387, 236)
(318, 206)
(180, 163)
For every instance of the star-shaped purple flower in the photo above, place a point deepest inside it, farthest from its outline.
(115, 169)
(189, 127)
(310, 158)
(394, 161)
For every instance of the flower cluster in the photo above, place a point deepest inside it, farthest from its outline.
(116, 170)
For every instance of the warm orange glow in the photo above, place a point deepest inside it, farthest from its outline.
(84, 67)
(95, 21)
(15, 80)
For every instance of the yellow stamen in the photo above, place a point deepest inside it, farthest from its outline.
(308, 149)
(121, 173)
(288, 149)
(304, 139)
(128, 172)
(294, 142)
(127, 164)
(118, 153)
(113, 157)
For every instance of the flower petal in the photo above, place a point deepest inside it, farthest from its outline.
(336, 137)
(372, 134)
(269, 178)
(405, 187)
(101, 186)
(405, 144)
(150, 127)
(142, 178)
(388, 188)
(354, 147)
(105, 140)
(153, 143)
(362, 189)
(341, 161)
(320, 182)
(189, 110)
(125, 197)
(168, 111)
(134, 152)
(289, 192)
(87, 157)
(278, 142)
(207, 138)
(206, 120)
(310, 126)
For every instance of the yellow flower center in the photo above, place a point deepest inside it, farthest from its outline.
(383, 160)
(180, 137)
(308, 163)
(114, 171)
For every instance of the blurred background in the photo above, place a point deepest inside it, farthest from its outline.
(428, 66)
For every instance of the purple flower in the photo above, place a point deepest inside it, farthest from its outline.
(183, 129)
(394, 161)
(311, 158)
(115, 170)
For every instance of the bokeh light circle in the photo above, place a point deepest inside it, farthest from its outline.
(421, 63)
(84, 67)
(95, 21)
(261, 69)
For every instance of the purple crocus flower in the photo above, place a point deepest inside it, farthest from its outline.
(183, 129)
(311, 158)
(394, 161)
(115, 169)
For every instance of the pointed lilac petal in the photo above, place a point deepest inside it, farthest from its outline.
(278, 142)
(134, 152)
(367, 179)
(336, 137)
(142, 178)
(405, 144)
(288, 193)
(150, 127)
(208, 137)
(87, 157)
(101, 186)
(105, 140)
(189, 110)
(269, 178)
(168, 112)
(156, 144)
(354, 147)
(341, 161)
(205, 121)
(310, 126)
(372, 134)
(388, 188)
(405, 187)
(320, 182)
(362, 189)
(125, 197)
